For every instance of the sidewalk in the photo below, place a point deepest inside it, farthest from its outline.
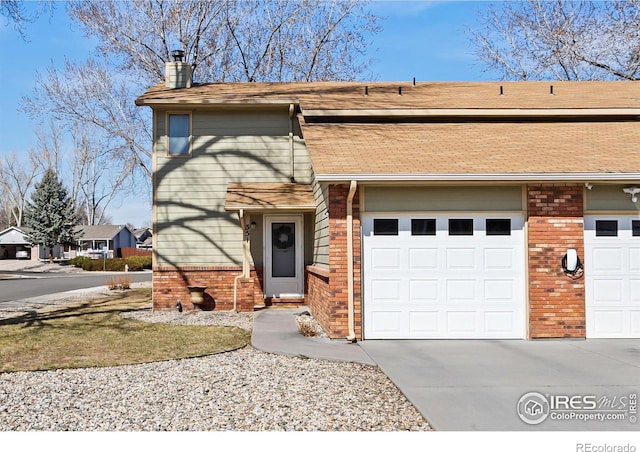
(275, 331)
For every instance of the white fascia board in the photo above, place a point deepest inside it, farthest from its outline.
(523, 177)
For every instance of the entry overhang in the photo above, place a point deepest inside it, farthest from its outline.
(264, 196)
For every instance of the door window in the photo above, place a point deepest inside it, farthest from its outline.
(283, 255)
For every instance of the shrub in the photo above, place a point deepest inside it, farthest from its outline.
(120, 282)
(135, 263)
(78, 261)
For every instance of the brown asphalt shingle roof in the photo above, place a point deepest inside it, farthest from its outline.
(474, 148)
(350, 133)
(384, 95)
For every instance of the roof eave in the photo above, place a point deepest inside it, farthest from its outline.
(511, 177)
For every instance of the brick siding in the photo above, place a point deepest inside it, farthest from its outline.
(556, 302)
(170, 286)
(328, 296)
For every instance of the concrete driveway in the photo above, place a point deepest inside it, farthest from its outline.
(479, 385)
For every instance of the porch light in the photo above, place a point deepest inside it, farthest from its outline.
(177, 55)
(633, 191)
(253, 225)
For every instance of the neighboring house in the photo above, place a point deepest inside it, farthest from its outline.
(144, 238)
(94, 240)
(14, 244)
(411, 210)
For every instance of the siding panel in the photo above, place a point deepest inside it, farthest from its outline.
(228, 146)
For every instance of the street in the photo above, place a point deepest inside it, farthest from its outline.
(31, 284)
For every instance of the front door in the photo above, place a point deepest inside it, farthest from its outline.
(284, 277)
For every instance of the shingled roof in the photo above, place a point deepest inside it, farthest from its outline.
(449, 130)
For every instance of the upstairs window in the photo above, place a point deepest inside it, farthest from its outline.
(179, 134)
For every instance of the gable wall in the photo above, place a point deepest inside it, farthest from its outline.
(228, 146)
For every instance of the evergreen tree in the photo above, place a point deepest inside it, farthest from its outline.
(51, 214)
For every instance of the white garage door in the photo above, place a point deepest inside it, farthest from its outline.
(443, 276)
(612, 276)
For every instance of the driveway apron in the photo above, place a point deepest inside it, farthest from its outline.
(478, 384)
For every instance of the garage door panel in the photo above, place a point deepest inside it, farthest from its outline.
(635, 291)
(608, 322)
(464, 258)
(423, 258)
(444, 286)
(462, 322)
(634, 320)
(608, 290)
(498, 291)
(499, 322)
(459, 290)
(607, 259)
(612, 276)
(424, 322)
(634, 259)
(423, 291)
(385, 258)
(385, 321)
(386, 290)
(498, 259)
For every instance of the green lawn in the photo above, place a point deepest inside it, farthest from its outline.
(93, 334)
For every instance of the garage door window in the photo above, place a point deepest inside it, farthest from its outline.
(423, 226)
(385, 226)
(459, 226)
(498, 226)
(606, 228)
(635, 228)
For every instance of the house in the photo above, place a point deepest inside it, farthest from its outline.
(144, 238)
(14, 244)
(403, 210)
(95, 239)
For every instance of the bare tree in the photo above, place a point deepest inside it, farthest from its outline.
(17, 178)
(233, 40)
(95, 184)
(92, 95)
(14, 11)
(564, 40)
(224, 40)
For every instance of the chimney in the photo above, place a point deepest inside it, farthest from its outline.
(177, 72)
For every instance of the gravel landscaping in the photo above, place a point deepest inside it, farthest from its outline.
(243, 390)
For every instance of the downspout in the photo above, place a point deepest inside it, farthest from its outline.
(244, 263)
(350, 304)
(292, 174)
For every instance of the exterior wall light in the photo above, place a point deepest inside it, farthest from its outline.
(633, 191)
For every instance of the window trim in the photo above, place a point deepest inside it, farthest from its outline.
(167, 137)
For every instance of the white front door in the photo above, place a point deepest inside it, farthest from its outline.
(612, 275)
(444, 276)
(284, 266)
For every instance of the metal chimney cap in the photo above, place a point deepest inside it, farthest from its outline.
(177, 55)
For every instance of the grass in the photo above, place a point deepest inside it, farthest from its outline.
(93, 334)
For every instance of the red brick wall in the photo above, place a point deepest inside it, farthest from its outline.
(332, 313)
(318, 298)
(556, 302)
(170, 286)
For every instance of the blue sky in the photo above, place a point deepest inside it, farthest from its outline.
(423, 39)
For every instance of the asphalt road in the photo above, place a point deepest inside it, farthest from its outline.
(31, 284)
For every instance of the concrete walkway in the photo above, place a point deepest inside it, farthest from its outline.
(476, 385)
(275, 330)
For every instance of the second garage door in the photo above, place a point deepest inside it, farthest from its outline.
(443, 276)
